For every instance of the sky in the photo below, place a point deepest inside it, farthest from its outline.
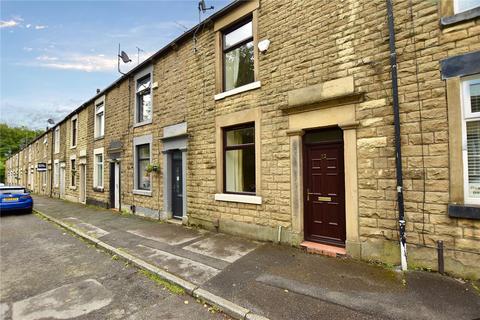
(55, 54)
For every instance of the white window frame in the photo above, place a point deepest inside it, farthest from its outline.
(96, 183)
(138, 76)
(467, 116)
(98, 102)
(57, 140)
(73, 144)
(456, 9)
(147, 139)
(45, 146)
(56, 173)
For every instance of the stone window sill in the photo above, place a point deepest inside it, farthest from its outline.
(147, 193)
(460, 17)
(465, 211)
(247, 87)
(73, 188)
(98, 138)
(98, 189)
(240, 198)
(143, 123)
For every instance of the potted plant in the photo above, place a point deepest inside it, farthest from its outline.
(152, 168)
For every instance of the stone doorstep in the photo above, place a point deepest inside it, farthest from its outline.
(323, 249)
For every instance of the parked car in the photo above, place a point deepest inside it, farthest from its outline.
(15, 199)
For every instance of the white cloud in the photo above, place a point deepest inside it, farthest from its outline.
(28, 49)
(28, 25)
(9, 23)
(86, 63)
(40, 27)
(46, 58)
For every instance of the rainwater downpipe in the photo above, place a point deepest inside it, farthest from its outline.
(398, 145)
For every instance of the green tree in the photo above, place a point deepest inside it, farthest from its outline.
(12, 139)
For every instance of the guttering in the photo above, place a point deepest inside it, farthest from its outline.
(398, 145)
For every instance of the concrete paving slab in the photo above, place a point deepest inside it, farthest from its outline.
(190, 270)
(88, 228)
(66, 302)
(223, 247)
(169, 234)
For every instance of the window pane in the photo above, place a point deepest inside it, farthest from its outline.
(240, 136)
(238, 35)
(240, 170)
(143, 151)
(143, 84)
(473, 155)
(99, 124)
(464, 5)
(99, 160)
(238, 64)
(144, 105)
(475, 96)
(12, 191)
(143, 160)
(143, 175)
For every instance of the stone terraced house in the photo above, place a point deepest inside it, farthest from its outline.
(274, 120)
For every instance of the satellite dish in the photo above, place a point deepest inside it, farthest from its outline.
(203, 7)
(123, 55)
(50, 121)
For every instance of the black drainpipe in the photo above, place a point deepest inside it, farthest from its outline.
(398, 144)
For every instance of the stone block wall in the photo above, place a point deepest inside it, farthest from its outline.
(312, 43)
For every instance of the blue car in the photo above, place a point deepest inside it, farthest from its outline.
(15, 199)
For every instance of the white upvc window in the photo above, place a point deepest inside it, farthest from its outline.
(56, 173)
(74, 131)
(465, 5)
(98, 161)
(471, 138)
(99, 126)
(57, 140)
(45, 146)
(143, 97)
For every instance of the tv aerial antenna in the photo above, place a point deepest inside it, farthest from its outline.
(202, 8)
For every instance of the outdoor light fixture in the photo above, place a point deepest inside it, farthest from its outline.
(263, 45)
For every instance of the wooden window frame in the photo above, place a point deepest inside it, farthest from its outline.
(237, 147)
(237, 16)
(224, 32)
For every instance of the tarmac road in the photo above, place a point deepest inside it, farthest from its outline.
(48, 273)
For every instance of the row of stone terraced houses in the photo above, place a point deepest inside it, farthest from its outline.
(293, 142)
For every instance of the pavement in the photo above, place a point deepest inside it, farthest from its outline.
(46, 273)
(250, 279)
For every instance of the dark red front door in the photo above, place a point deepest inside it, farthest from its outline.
(324, 193)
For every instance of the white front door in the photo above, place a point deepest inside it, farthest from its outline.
(117, 185)
(62, 182)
